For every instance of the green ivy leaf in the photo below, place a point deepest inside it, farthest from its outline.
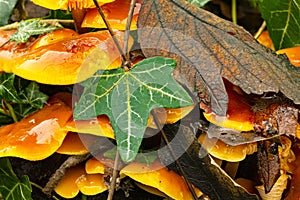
(59, 14)
(147, 157)
(24, 96)
(128, 97)
(11, 187)
(8, 91)
(199, 3)
(32, 100)
(31, 27)
(6, 8)
(283, 21)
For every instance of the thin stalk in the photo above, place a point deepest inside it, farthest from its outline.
(158, 124)
(233, 11)
(126, 35)
(114, 177)
(111, 32)
(2, 45)
(260, 30)
(41, 188)
(11, 111)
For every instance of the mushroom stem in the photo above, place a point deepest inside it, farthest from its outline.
(111, 32)
(78, 16)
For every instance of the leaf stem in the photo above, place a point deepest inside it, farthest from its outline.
(41, 188)
(111, 32)
(114, 177)
(11, 111)
(260, 30)
(233, 11)
(189, 185)
(126, 35)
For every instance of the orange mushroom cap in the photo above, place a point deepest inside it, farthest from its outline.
(265, 40)
(68, 4)
(116, 14)
(54, 36)
(158, 176)
(100, 126)
(239, 114)
(91, 184)
(223, 151)
(72, 145)
(94, 166)
(66, 61)
(67, 187)
(76, 179)
(37, 136)
(292, 53)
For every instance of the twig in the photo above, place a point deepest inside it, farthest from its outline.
(114, 177)
(2, 45)
(60, 172)
(126, 35)
(158, 124)
(260, 30)
(233, 11)
(111, 32)
(11, 111)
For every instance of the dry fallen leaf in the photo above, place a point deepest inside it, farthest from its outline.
(208, 48)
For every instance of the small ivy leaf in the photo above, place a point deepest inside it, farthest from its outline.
(31, 27)
(6, 8)
(33, 96)
(11, 187)
(32, 100)
(282, 19)
(127, 98)
(24, 96)
(8, 91)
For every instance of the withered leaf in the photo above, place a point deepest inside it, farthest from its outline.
(198, 166)
(268, 163)
(208, 48)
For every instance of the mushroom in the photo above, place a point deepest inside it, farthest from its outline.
(94, 166)
(37, 136)
(116, 14)
(223, 151)
(72, 145)
(79, 57)
(76, 179)
(159, 177)
(91, 184)
(293, 53)
(239, 114)
(77, 7)
(265, 40)
(100, 126)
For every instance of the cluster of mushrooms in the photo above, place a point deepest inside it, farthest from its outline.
(63, 57)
